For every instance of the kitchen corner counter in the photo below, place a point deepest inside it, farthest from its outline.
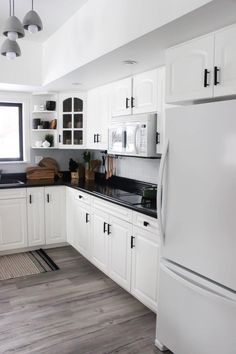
(120, 191)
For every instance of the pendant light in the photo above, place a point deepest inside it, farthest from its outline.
(13, 28)
(32, 22)
(10, 49)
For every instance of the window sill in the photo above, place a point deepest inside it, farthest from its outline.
(13, 162)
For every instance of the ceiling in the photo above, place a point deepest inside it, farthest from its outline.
(52, 12)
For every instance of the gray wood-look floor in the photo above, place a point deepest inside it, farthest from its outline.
(74, 310)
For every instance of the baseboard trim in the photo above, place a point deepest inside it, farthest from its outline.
(33, 248)
(160, 346)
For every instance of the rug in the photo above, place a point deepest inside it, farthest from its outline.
(25, 263)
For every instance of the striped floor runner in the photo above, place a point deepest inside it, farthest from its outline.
(26, 263)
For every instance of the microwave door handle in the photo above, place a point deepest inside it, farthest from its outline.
(137, 139)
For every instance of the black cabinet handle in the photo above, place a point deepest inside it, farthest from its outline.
(132, 245)
(80, 196)
(132, 102)
(59, 138)
(145, 223)
(98, 138)
(158, 138)
(48, 198)
(104, 227)
(206, 73)
(87, 218)
(95, 138)
(127, 103)
(30, 199)
(216, 71)
(109, 229)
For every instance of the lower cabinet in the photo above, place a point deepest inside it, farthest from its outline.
(82, 227)
(36, 216)
(55, 214)
(145, 266)
(111, 250)
(13, 220)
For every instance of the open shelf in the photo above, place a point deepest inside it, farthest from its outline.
(44, 111)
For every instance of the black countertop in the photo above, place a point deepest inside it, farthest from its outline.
(118, 190)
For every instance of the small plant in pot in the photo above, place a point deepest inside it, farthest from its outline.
(49, 138)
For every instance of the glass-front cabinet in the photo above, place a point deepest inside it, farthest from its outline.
(72, 121)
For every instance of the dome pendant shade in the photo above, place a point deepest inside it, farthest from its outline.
(9, 46)
(13, 24)
(32, 19)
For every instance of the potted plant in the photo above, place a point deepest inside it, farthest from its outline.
(49, 138)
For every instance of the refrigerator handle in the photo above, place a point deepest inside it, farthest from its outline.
(160, 188)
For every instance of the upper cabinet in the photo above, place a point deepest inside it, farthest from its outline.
(72, 120)
(189, 70)
(121, 97)
(225, 62)
(98, 117)
(204, 68)
(136, 94)
(144, 98)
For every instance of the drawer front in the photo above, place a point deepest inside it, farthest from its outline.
(147, 223)
(82, 197)
(13, 193)
(113, 209)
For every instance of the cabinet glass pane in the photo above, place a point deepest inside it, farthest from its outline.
(78, 137)
(67, 105)
(78, 121)
(67, 121)
(78, 105)
(67, 137)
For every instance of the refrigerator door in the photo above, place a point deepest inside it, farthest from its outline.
(194, 315)
(199, 197)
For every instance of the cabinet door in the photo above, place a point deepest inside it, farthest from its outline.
(99, 117)
(99, 244)
(145, 92)
(70, 215)
(82, 229)
(225, 62)
(55, 214)
(13, 224)
(186, 65)
(121, 97)
(145, 267)
(120, 251)
(36, 221)
(72, 121)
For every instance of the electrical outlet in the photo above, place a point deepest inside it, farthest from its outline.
(37, 159)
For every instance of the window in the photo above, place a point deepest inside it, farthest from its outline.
(11, 132)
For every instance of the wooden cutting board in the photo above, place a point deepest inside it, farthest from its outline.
(50, 163)
(39, 173)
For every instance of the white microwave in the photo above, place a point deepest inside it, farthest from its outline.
(133, 135)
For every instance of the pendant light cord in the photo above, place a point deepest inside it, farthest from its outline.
(10, 7)
(32, 4)
(13, 7)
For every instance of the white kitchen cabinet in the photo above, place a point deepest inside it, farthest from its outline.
(98, 117)
(99, 240)
(55, 214)
(70, 215)
(145, 266)
(121, 97)
(82, 230)
(120, 251)
(189, 70)
(145, 92)
(13, 219)
(225, 62)
(72, 124)
(35, 213)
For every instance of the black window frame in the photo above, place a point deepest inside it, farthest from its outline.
(20, 121)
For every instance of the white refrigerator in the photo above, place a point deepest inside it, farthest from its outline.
(197, 215)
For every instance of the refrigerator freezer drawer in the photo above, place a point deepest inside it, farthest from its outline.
(194, 315)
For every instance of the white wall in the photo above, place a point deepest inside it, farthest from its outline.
(24, 70)
(105, 25)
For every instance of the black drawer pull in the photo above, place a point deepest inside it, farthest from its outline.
(216, 71)
(206, 83)
(145, 223)
(48, 198)
(132, 245)
(109, 229)
(80, 196)
(157, 138)
(30, 199)
(104, 227)
(87, 218)
(132, 102)
(127, 103)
